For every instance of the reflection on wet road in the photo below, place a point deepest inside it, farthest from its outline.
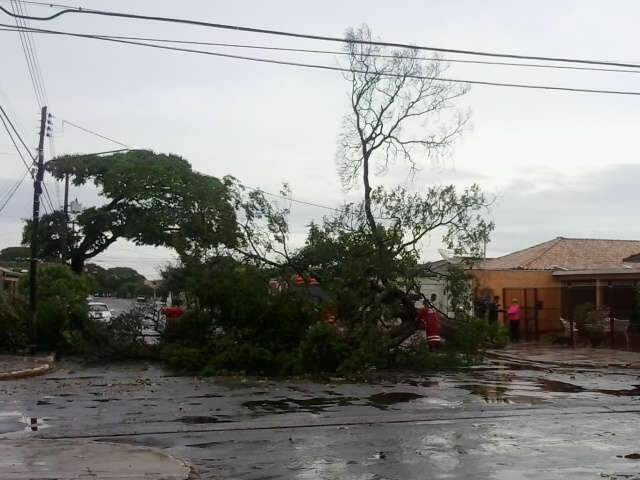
(489, 422)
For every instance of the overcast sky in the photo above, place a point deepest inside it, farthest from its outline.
(560, 164)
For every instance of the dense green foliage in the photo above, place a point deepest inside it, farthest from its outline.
(12, 324)
(151, 199)
(62, 305)
(123, 282)
(15, 254)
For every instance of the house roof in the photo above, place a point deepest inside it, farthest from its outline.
(5, 272)
(436, 267)
(567, 254)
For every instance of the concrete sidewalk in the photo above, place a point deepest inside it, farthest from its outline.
(565, 356)
(15, 366)
(80, 459)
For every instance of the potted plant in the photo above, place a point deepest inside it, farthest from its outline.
(590, 323)
(595, 332)
(634, 318)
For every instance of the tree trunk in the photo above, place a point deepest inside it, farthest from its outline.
(367, 203)
(403, 331)
(77, 264)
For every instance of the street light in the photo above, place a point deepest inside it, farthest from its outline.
(75, 206)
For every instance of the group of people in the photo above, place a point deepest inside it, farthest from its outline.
(430, 317)
(513, 314)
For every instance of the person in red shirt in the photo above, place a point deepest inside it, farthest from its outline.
(430, 318)
(173, 313)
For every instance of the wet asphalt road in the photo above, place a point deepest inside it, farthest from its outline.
(491, 422)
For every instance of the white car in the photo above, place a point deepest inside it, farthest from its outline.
(99, 311)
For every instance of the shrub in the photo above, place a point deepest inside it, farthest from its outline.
(194, 328)
(583, 314)
(229, 356)
(184, 359)
(322, 349)
(12, 324)
(472, 335)
(418, 356)
(62, 305)
(368, 348)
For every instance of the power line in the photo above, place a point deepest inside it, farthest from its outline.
(49, 4)
(27, 57)
(325, 38)
(342, 69)
(5, 118)
(48, 196)
(13, 190)
(6, 127)
(95, 133)
(2, 110)
(294, 200)
(34, 53)
(342, 53)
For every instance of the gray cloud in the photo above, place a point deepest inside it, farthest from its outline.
(601, 204)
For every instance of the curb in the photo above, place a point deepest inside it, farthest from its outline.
(29, 372)
(524, 361)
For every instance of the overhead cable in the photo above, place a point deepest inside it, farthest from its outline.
(3, 112)
(84, 129)
(27, 56)
(343, 53)
(12, 191)
(326, 38)
(343, 69)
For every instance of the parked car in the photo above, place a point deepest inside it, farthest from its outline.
(99, 311)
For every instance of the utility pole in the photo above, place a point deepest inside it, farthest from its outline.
(65, 208)
(33, 267)
(66, 196)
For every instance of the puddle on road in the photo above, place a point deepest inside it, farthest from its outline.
(556, 386)
(201, 419)
(385, 400)
(381, 401)
(288, 405)
(493, 393)
(11, 422)
(498, 394)
(206, 395)
(422, 383)
(633, 392)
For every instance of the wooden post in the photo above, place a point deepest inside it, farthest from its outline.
(535, 313)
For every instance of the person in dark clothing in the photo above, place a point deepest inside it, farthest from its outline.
(493, 310)
(481, 308)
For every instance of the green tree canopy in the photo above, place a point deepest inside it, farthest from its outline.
(15, 254)
(152, 199)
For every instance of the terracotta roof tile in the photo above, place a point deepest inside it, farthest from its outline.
(567, 254)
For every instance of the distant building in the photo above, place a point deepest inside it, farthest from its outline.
(9, 281)
(432, 280)
(552, 278)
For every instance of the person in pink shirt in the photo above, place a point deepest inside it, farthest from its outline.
(514, 314)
